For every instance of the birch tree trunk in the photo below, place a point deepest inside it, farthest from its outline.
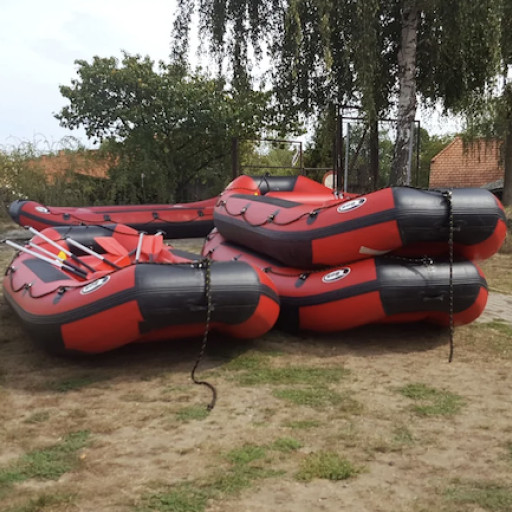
(407, 93)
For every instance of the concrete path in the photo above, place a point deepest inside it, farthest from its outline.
(499, 306)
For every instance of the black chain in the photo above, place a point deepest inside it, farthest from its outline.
(448, 195)
(208, 292)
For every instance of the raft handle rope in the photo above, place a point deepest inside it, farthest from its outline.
(449, 196)
(205, 263)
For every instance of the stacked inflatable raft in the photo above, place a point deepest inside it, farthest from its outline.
(283, 249)
(338, 263)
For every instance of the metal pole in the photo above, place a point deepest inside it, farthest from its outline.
(338, 149)
(409, 156)
(347, 150)
(301, 163)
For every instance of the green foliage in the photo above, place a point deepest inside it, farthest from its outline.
(332, 52)
(432, 401)
(326, 465)
(23, 175)
(281, 159)
(167, 129)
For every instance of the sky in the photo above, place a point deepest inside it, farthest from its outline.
(40, 40)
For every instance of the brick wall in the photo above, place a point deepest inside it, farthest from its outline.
(471, 166)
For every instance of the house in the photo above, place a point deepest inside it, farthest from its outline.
(476, 164)
(85, 163)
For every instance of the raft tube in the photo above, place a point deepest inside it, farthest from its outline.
(375, 290)
(326, 230)
(152, 295)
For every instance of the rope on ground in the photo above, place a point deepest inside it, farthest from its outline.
(205, 263)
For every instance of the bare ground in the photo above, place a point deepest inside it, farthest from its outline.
(148, 436)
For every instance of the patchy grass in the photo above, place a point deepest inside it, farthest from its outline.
(319, 397)
(254, 369)
(194, 496)
(402, 436)
(290, 375)
(302, 424)
(246, 454)
(269, 442)
(54, 501)
(183, 497)
(46, 463)
(326, 465)
(192, 413)
(498, 269)
(38, 417)
(74, 383)
(491, 496)
(286, 445)
(431, 401)
(490, 338)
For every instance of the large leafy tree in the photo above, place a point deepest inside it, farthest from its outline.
(379, 54)
(166, 128)
(489, 115)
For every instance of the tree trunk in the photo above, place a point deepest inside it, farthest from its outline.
(407, 93)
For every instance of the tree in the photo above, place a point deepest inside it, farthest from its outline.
(167, 128)
(380, 54)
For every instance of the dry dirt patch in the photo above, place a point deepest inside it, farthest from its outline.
(282, 401)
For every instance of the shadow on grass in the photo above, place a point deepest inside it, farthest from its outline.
(21, 358)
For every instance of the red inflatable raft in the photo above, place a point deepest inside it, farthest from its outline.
(187, 220)
(91, 289)
(382, 289)
(306, 226)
